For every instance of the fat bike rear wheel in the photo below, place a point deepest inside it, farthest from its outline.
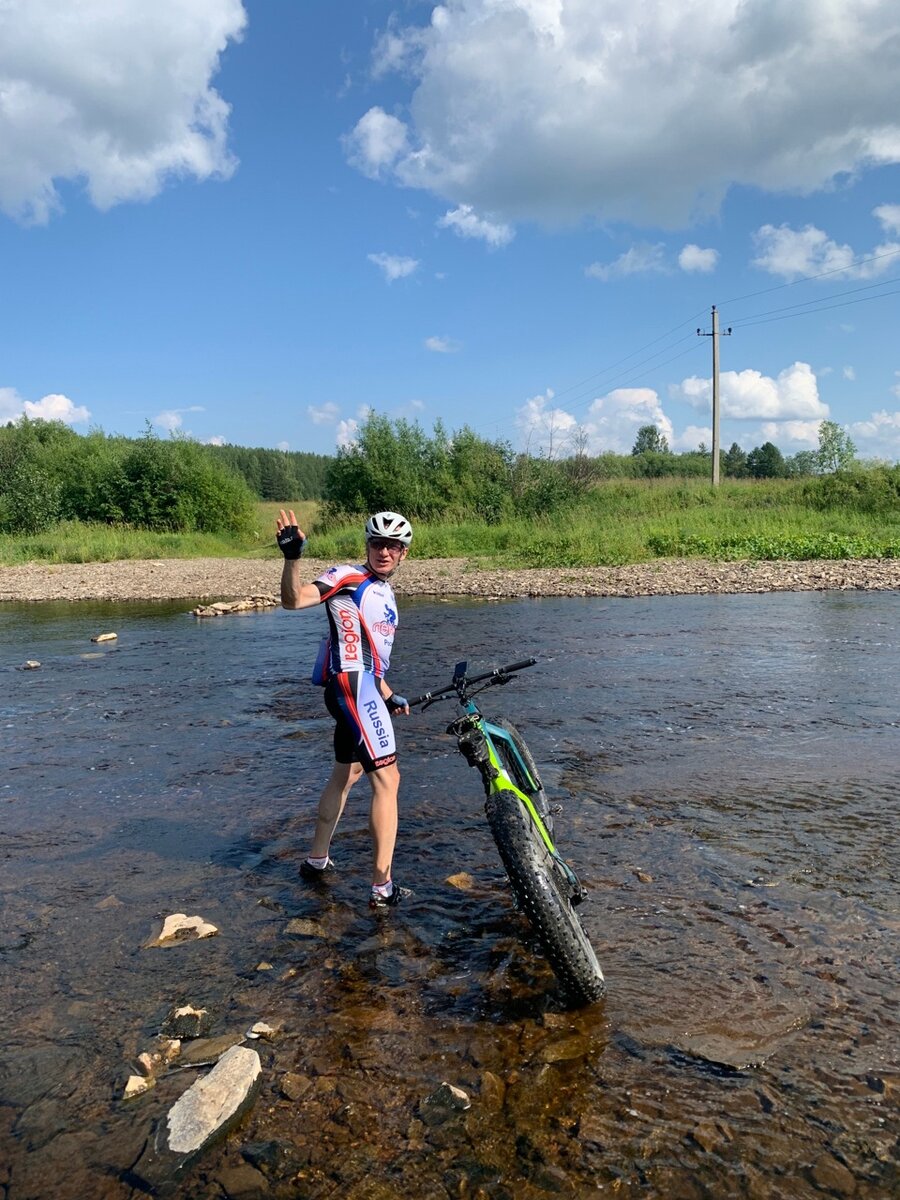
(544, 895)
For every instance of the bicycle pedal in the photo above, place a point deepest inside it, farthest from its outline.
(554, 809)
(578, 895)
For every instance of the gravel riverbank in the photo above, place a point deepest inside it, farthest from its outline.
(232, 578)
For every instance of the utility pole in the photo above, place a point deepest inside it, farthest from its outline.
(715, 335)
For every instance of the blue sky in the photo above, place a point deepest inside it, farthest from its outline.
(255, 222)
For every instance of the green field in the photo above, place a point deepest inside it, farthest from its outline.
(617, 522)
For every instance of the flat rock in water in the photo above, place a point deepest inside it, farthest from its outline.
(188, 1022)
(207, 1110)
(179, 927)
(104, 637)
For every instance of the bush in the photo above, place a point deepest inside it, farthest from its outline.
(874, 490)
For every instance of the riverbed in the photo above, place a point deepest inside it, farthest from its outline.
(727, 770)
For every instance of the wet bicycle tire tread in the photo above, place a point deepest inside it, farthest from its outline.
(558, 927)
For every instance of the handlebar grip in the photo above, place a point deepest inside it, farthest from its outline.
(519, 666)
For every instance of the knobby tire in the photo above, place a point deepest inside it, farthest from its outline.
(543, 896)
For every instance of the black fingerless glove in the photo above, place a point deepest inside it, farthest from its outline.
(290, 543)
(394, 702)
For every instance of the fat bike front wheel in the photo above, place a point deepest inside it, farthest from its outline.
(544, 896)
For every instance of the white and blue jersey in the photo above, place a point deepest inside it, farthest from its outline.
(362, 619)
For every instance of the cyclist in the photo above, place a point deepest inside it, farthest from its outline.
(362, 620)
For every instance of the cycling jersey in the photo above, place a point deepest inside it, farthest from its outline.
(362, 618)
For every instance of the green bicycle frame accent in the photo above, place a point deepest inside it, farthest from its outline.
(497, 779)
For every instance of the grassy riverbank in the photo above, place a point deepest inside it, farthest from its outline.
(618, 522)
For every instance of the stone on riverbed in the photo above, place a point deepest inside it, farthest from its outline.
(188, 1022)
(222, 608)
(179, 927)
(30, 664)
(104, 637)
(204, 1113)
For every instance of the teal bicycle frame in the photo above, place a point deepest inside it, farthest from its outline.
(498, 754)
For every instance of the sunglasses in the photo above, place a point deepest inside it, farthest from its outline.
(386, 544)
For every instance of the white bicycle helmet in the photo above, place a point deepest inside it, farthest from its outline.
(389, 525)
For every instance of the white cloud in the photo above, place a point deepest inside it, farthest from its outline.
(896, 388)
(170, 418)
(346, 433)
(394, 266)
(879, 436)
(693, 258)
(790, 435)
(466, 223)
(849, 373)
(441, 345)
(691, 437)
(118, 96)
(611, 423)
(749, 394)
(216, 440)
(545, 430)
(53, 407)
(376, 143)
(324, 414)
(794, 253)
(641, 259)
(283, 446)
(559, 109)
(889, 216)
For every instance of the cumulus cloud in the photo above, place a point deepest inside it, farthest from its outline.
(216, 440)
(376, 143)
(693, 258)
(544, 429)
(790, 435)
(889, 216)
(748, 395)
(641, 259)
(171, 418)
(879, 436)
(441, 345)
(559, 109)
(795, 253)
(53, 407)
(394, 266)
(324, 414)
(118, 96)
(347, 433)
(611, 422)
(283, 446)
(466, 223)
(849, 373)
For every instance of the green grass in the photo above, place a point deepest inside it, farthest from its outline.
(621, 521)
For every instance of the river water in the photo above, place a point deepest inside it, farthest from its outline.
(728, 767)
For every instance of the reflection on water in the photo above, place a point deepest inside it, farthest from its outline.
(728, 770)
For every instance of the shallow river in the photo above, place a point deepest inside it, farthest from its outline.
(728, 767)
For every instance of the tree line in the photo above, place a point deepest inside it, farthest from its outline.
(836, 452)
(48, 472)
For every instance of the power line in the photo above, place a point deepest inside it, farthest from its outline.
(820, 301)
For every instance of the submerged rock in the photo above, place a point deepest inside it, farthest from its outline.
(179, 927)
(222, 608)
(188, 1022)
(104, 637)
(136, 1085)
(30, 664)
(207, 1110)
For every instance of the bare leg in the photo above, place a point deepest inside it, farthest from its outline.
(331, 805)
(385, 784)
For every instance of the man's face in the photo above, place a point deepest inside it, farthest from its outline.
(384, 555)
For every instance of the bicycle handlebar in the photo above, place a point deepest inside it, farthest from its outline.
(495, 676)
